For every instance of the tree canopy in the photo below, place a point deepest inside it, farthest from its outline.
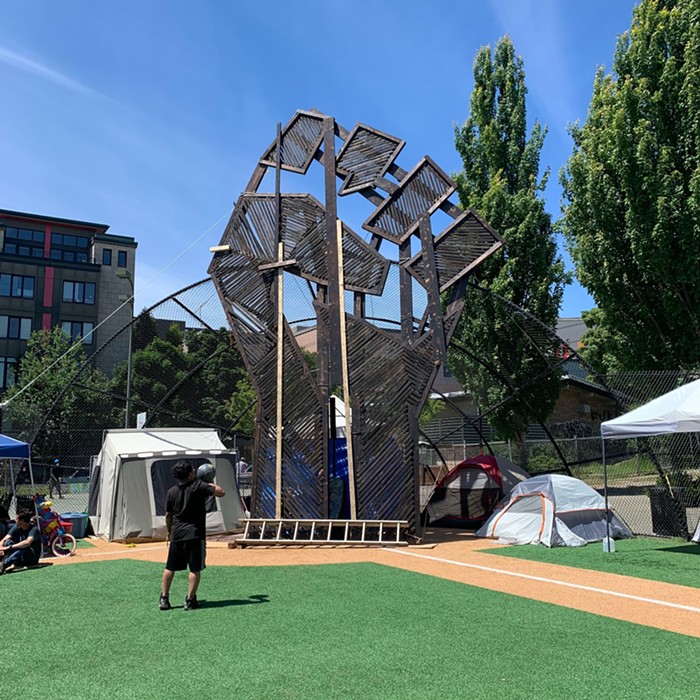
(60, 402)
(186, 378)
(500, 180)
(632, 196)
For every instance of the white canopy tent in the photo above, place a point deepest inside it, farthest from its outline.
(677, 411)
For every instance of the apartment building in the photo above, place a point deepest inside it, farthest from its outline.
(67, 273)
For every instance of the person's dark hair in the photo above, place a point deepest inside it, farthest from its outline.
(25, 516)
(182, 468)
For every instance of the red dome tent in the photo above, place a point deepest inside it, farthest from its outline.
(468, 493)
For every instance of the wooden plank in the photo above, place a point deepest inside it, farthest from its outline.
(345, 375)
(276, 264)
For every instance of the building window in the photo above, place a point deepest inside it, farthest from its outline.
(106, 256)
(24, 241)
(15, 327)
(121, 258)
(18, 286)
(8, 372)
(78, 329)
(79, 292)
(69, 248)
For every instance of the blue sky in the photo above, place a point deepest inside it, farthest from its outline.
(150, 115)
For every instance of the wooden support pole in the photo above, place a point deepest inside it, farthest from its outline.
(345, 372)
(280, 331)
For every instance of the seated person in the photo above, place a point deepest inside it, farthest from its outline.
(22, 546)
(5, 520)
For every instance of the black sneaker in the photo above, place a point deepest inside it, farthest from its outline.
(192, 603)
(165, 603)
(2, 568)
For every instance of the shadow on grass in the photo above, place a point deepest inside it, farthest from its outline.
(684, 549)
(250, 600)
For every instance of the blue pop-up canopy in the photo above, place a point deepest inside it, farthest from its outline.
(13, 449)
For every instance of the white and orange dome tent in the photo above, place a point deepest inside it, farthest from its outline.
(553, 510)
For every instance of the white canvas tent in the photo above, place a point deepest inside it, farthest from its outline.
(553, 510)
(677, 411)
(132, 473)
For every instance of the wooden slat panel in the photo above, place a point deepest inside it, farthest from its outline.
(420, 193)
(365, 157)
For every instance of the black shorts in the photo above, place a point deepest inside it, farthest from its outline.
(186, 553)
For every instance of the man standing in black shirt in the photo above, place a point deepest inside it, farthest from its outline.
(185, 518)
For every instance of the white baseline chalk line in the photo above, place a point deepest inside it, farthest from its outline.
(546, 580)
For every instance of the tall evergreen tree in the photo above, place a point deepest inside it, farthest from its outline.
(501, 182)
(632, 195)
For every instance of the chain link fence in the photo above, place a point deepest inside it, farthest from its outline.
(175, 366)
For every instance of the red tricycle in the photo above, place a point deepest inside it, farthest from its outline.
(56, 534)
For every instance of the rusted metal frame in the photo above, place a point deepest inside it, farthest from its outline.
(431, 278)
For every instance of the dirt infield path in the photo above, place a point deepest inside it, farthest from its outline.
(666, 606)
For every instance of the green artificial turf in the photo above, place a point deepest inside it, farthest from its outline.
(365, 631)
(671, 561)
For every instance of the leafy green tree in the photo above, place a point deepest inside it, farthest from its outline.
(632, 195)
(156, 370)
(60, 402)
(144, 330)
(431, 410)
(242, 407)
(221, 370)
(187, 378)
(500, 181)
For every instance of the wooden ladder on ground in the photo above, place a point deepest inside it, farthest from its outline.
(263, 531)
